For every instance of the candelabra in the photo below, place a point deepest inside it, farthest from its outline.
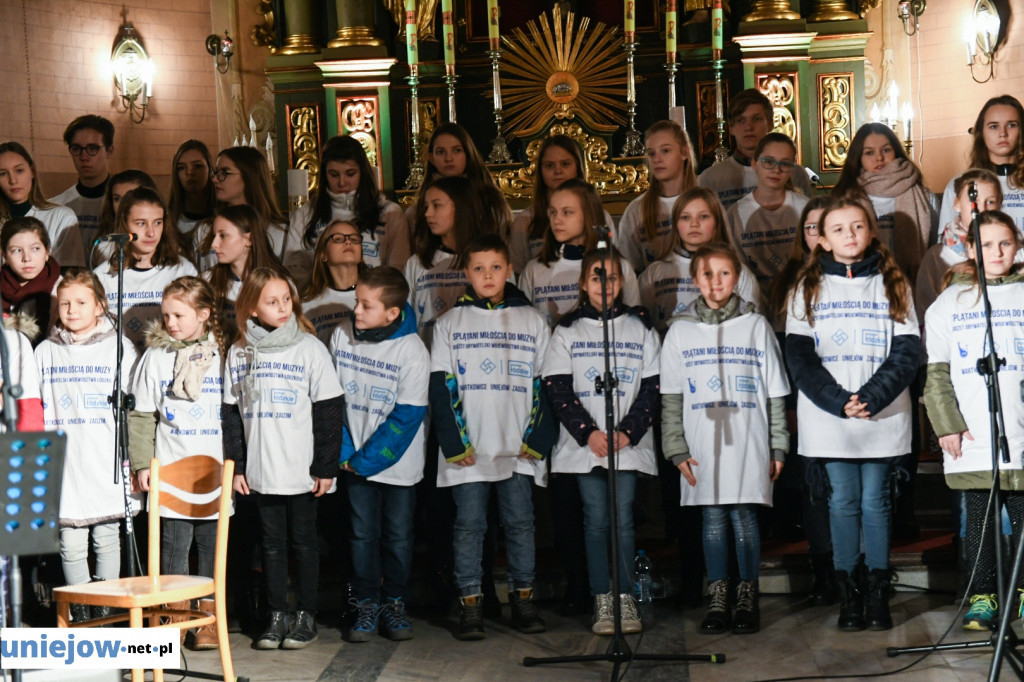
(634, 145)
(415, 178)
(672, 68)
(449, 79)
(499, 151)
(717, 63)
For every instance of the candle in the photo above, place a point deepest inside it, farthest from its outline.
(876, 114)
(629, 25)
(245, 142)
(298, 182)
(716, 26)
(412, 50)
(670, 29)
(252, 132)
(894, 94)
(492, 24)
(270, 153)
(234, 143)
(907, 112)
(449, 33)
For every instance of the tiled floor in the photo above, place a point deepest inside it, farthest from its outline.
(796, 640)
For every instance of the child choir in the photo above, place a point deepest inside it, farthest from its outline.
(393, 355)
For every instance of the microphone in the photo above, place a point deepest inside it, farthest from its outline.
(116, 238)
(603, 232)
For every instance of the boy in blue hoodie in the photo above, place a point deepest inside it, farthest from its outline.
(383, 368)
(494, 426)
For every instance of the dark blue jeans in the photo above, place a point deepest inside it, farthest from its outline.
(382, 537)
(176, 536)
(289, 521)
(859, 511)
(596, 524)
(743, 518)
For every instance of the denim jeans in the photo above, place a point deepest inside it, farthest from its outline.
(716, 521)
(382, 537)
(289, 521)
(176, 536)
(596, 523)
(515, 509)
(106, 546)
(859, 508)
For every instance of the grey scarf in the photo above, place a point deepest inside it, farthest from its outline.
(260, 340)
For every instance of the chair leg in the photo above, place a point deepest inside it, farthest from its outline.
(135, 621)
(63, 614)
(223, 645)
(158, 675)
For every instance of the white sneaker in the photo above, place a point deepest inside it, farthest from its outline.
(630, 618)
(604, 624)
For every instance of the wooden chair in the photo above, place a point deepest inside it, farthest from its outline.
(146, 597)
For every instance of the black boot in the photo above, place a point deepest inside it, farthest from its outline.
(302, 632)
(747, 618)
(524, 612)
(823, 593)
(878, 616)
(471, 618)
(851, 604)
(716, 620)
(275, 632)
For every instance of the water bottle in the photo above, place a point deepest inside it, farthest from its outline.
(642, 578)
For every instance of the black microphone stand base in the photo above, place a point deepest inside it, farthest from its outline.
(619, 653)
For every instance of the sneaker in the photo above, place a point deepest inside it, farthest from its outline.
(524, 612)
(367, 615)
(716, 620)
(275, 632)
(302, 632)
(471, 618)
(604, 623)
(630, 617)
(393, 623)
(982, 614)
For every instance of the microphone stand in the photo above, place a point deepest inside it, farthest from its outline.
(618, 650)
(988, 366)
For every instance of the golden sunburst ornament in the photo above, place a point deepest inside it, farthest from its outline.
(561, 70)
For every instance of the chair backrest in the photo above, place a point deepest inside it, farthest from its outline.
(196, 475)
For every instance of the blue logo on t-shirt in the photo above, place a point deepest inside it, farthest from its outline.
(517, 368)
(840, 337)
(488, 366)
(284, 396)
(196, 412)
(714, 383)
(625, 374)
(693, 386)
(873, 337)
(746, 384)
(382, 395)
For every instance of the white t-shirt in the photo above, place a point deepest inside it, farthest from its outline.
(633, 243)
(765, 237)
(184, 427)
(376, 377)
(522, 248)
(579, 350)
(852, 335)
(494, 355)
(65, 236)
(75, 382)
(328, 309)
(554, 289)
(1013, 203)
(666, 288)
(726, 373)
(955, 332)
(87, 213)
(433, 292)
(143, 292)
(279, 423)
(731, 180)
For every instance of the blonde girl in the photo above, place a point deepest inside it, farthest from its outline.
(337, 263)
(956, 397)
(551, 281)
(282, 422)
(178, 393)
(852, 348)
(153, 259)
(76, 374)
(646, 223)
(666, 286)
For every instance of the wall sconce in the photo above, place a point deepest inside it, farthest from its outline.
(892, 114)
(133, 72)
(905, 9)
(220, 47)
(981, 34)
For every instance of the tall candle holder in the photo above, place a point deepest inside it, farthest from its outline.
(717, 63)
(634, 145)
(499, 150)
(415, 178)
(449, 79)
(672, 67)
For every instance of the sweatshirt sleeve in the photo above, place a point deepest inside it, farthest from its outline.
(568, 408)
(777, 429)
(142, 436)
(327, 423)
(895, 374)
(448, 418)
(542, 430)
(673, 440)
(389, 442)
(233, 436)
(940, 401)
(644, 410)
(811, 377)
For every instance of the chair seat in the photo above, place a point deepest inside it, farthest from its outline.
(140, 591)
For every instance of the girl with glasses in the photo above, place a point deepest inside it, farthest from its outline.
(878, 171)
(763, 223)
(337, 262)
(347, 191)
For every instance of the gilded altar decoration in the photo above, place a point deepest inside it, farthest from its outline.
(426, 11)
(835, 92)
(357, 117)
(262, 34)
(781, 91)
(304, 139)
(429, 118)
(560, 68)
(608, 177)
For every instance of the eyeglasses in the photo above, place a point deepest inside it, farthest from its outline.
(768, 163)
(340, 239)
(219, 174)
(812, 229)
(89, 149)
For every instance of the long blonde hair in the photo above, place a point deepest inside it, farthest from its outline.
(198, 295)
(649, 214)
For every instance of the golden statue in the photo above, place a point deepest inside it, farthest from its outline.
(425, 11)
